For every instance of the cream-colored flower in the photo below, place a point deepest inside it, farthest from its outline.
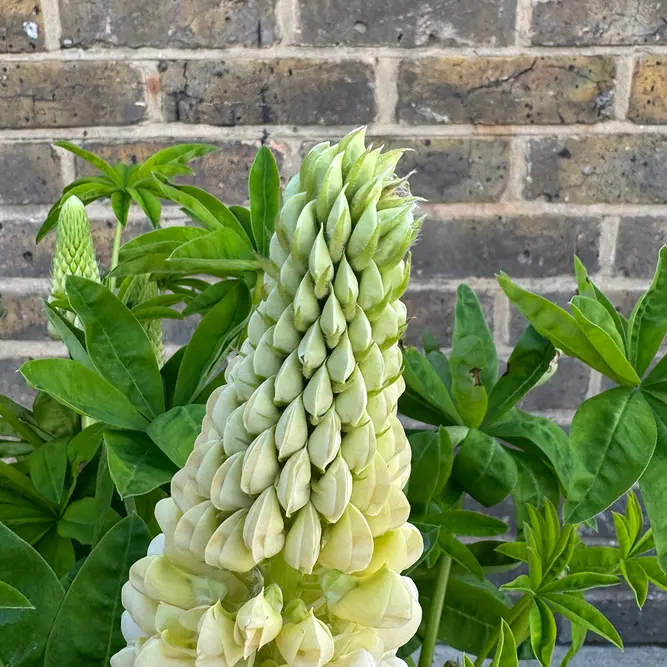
(302, 546)
(331, 492)
(260, 464)
(308, 643)
(294, 482)
(264, 528)
(258, 621)
(226, 548)
(348, 544)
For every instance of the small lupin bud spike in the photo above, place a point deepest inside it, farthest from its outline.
(293, 492)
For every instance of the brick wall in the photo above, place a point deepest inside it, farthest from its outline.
(539, 128)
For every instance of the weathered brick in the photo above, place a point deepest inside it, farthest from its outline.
(433, 310)
(302, 91)
(614, 169)
(35, 174)
(566, 390)
(637, 245)
(521, 246)
(224, 174)
(12, 383)
(598, 22)
(21, 26)
(183, 23)
(23, 318)
(68, 94)
(520, 90)
(648, 96)
(454, 170)
(395, 23)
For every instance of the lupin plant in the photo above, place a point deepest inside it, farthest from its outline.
(286, 531)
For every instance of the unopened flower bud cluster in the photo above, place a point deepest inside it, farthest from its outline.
(286, 531)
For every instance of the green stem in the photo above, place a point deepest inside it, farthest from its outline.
(114, 253)
(435, 612)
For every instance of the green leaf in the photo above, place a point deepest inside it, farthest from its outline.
(506, 655)
(429, 342)
(622, 534)
(23, 633)
(70, 335)
(554, 323)
(169, 373)
(160, 241)
(653, 571)
(600, 329)
(136, 465)
(20, 486)
(148, 202)
(120, 204)
(490, 558)
(83, 390)
(48, 466)
(81, 517)
(95, 160)
(204, 301)
(634, 516)
(264, 194)
(578, 633)
(57, 551)
(211, 337)
(460, 553)
(580, 581)
(612, 438)
(118, 345)
(637, 580)
(465, 522)
(543, 632)
(466, 365)
(469, 321)
(529, 361)
(191, 204)
(653, 483)
(12, 448)
(536, 483)
(648, 321)
(441, 364)
(53, 417)
(10, 598)
(87, 628)
(82, 448)
(181, 153)
(605, 560)
(582, 613)
(515, 550)
(431, 466)
(484, 469)
(176, 430)
(221, 244)
(422, 379)
(104, 493)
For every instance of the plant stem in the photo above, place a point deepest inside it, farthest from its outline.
(433, 622)
(114, 253)
(22, 429)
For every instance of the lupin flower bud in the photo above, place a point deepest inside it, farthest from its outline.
(295, 479)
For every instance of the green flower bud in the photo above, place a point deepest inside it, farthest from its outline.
(292, 429)
(397, 549)
(289, 381)
(196, 528)
(226, 493)
(360, 333)
(260, 412)
(211, 461)
(362, 638)
(387, 162)
(273, 307)
(372, 369)
(305, 234)
(379, 410)
(267, 360)
(348, 544)
(306, 173)
(291, 275)
(332, 321)
(358, 446)
(216, 639)
(341, 362)
(362, 171)
(288, 218)
(320, 266)
(367, 196)
(258, 621)
(370, 487)
(316, 175)
(294, 482)
(225, 403)
(246, 381)
(338, 227)
(232, 368)
(324, 441)
(293, 187)
(386, 327)
(264, 529)
(236, 437)
(371, 289)
(332, 184)
(392, 246)
(260, 464)
(392, 362)
(302, 546)
(227, 549)
(318, 395)
(346, 289)
(351, 402)
(331, 492)
(312, 351)
(277, 254)
(184, 490)
(363, 232)
(306, 644)
(306, 307)
(390, 218)
(353, 146)
(286, 338)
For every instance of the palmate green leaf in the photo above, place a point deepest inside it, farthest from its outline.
(83, 390)
(23, 633)
(580, 581)
(422, 380)
(81, 517)
(460, 553)
(486, 553)
(554, 323)
(57, 551)
(136, 464)
(53, 417)
(104, 492)
(118, 345)
(204, 301)
(441, 365)
(637, 579)
(514, 550)
(169, 373)
(11, 598)
(432, 460)
(162, 300)
(163, 241)
(91, 158)
(653, 483)
(429, 342)
(605, 560)
(634, 516)
(543, 632)
(469, 320)
(12, 448)
(465, 522)
(522, 584)
(157, 313)
(466, 364)
(148, 202)
(578, 634)
(599, 328)
(653, 571)
(87, 628)
(242, 214)
(484, 469)
(612, 438)
(176, 430)
(529, 361)
(264, 195)
(48, 466)
(82, 448)
(536, 483)
(120, 204)
(577, 610)
(179, 154)
(506, 655)
(622, 534)
(191, 204)
(648, 321)
(19, 486)
(211, 337)
(70, 335)
(222, 244)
